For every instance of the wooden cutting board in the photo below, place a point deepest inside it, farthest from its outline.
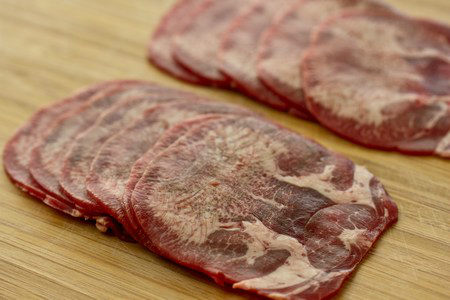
(50, 48)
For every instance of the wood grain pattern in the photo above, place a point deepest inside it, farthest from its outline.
(50, 48)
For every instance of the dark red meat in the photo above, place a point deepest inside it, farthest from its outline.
(257, 206)
(160, 47)
(17, 152)
(108, 175)
(76, 164)
(197, 44)
(284, 43)
(138, 169)
(47, 157)
(238, 55)
(382, 80)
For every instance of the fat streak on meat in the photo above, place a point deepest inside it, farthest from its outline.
(257, 206)
(284, 43)
(382, 80)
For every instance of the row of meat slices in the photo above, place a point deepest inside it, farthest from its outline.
(358, 67)
(211, 186)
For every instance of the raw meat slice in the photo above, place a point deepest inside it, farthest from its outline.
(77, 162)
(255, 205)
(47, 156)
(108, 176)
(197, 44)
(160, 47)
(17, 152)
(238, 56)
(382, 80)
(285, 42)
(138, 169)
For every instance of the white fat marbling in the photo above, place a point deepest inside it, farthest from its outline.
(296, 270)
(351, 237)
(358, 193)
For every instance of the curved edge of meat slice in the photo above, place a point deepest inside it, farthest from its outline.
(196, 46)
(17, 151)
(258, 206)
(107, 179)
(284, 43)
(111, 202)
(275, 39)
(404, 72)
(48, 155)
(160, 46)
(77, 162)
(237, 51)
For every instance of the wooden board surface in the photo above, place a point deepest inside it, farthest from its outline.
(49, 48)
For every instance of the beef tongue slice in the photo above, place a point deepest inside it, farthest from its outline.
(18, 150)
(108, 176)
(161, 43)
(77, 162)
(237, 53)
(381, 80)
(47, 157)
(257, 206)
(284, 43)
(196, 46)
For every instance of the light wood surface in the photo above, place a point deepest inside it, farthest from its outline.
(48, 48)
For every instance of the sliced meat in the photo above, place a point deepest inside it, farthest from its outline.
(160, 47)
(238, 55)
(197, 45)
(382, 80)
(77, 162)
(285, 42)
(168, 138)
(255, 205)
(17, 152)
(47, 157)
(108, 176)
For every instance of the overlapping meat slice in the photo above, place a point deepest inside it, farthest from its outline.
(238, 55)
(284, 43)
(138, 169)
(197, 45)
(255, 205)
(108, 175)
(77, 162)
(47, 157)
(17, 152)
(160, 47)
(382, 80)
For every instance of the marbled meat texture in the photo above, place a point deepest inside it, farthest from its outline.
(382, 80)
(108, 175)
(238, 55)
(197, 44)
(17, 152)
(284, 43)
(161, 42)
(257, 206)
(77, 162)
(48, 156)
